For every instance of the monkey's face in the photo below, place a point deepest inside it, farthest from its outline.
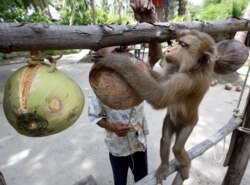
(190, 51)
(184, 52)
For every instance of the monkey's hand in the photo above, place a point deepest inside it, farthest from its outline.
(120, 129)
(161, 173)
(144, 11)
(114, 61)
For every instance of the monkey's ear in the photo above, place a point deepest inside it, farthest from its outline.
(206, 57)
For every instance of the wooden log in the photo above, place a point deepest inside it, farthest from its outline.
(177, 180)
(197, 150)
(242, 35)
(239, 152)
(37, 36)
(89, 180)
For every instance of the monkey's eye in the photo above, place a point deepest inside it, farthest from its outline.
(182, 44)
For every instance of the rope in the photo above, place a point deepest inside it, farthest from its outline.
(222, 154)
(237, 110)
(244, 130)
(236, 113)
(129, 123)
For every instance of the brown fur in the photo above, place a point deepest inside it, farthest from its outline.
(181, 89)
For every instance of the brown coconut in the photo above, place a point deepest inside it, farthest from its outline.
(112, 89)
(232, 54)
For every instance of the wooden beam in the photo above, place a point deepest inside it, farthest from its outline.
(239, 153)
(37, 36)
(197, 150)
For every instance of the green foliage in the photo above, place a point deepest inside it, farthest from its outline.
(211, 12)
(17, 11)
(114, 19)
(238, 7)
(38, 17)
(13, 14)
(82, 16)
(208, 2)
(101, 16)
(218, 9)
(179, 18)
(59, 52)
(105, 5)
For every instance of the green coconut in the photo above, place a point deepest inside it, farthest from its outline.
(40, 103)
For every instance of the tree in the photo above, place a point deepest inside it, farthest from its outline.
(92, 11)
(182, 7)
(23, 11)
(119, 6)
(73, 10)
(227, 8)
(105, 5)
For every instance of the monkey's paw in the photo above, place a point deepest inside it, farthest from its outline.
(113, 61)
(161, 173)
(95, 56)
(184, 171)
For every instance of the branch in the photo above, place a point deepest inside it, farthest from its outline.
(37, 36)
(197, 150)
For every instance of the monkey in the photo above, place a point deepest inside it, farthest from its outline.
(180, 89)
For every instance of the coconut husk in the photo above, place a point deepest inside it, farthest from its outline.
(112, 89)
(232, 55)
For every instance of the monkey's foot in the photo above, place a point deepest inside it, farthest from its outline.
(161, 173)
(184, 171)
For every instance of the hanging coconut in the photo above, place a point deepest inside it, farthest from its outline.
(40, 103)
(232, 54)
(111, 88)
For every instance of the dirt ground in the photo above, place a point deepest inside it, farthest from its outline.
(70, 156)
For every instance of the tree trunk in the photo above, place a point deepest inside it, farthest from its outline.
(73, 11)
(92, 12)
(37, 36)
(169, 10)
(48, 9)
(239, 157)
(120, 12)
(182, 7)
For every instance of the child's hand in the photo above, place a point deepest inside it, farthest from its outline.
(120, 129)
